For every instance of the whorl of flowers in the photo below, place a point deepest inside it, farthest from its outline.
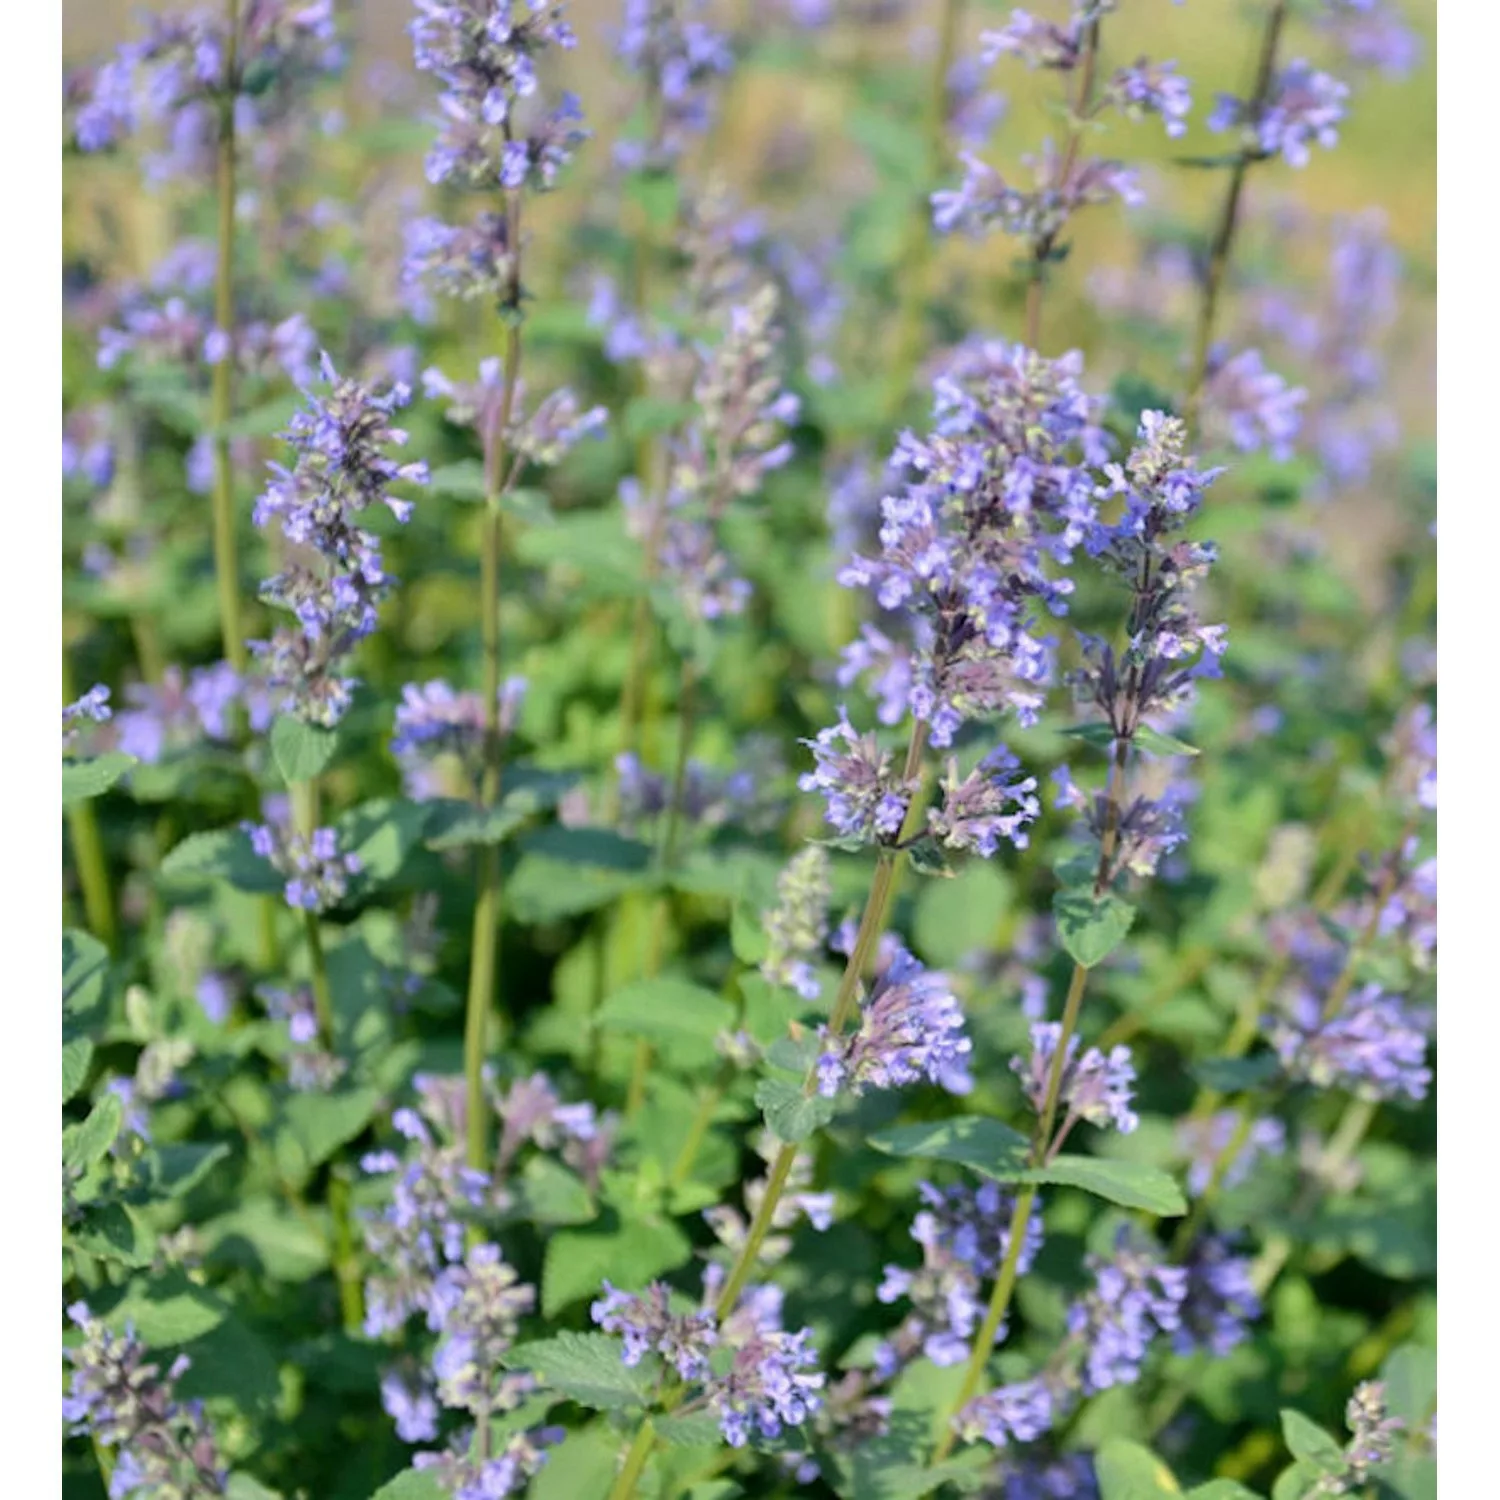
(911, 1027)
(1302, 109)
(340, 470)
(678, 54)
(994, 498)
(1375, 1046)
(1135, 1297)
(1096, 1088)
(1220, 1302)
(161, 1446)
(173, 78)
(317, 871)
(768, 1382)
(435, 720)
(964, 1233)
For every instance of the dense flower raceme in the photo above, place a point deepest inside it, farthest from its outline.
(964, 1234)
(1302, 109)
(1375, 1046)
(756, 1378)
(341, 469)
(437, 726)
(1095, 1087)
(1135, 1297)
(1249, 407)
(677, 53)
(709, 797)
(310, 1066)
(173, 79)
(1372, 34)
(1204, 1141)
(316, 870)
(911, 1027)
(796, 927)
(161, 1447)
(797, 1202)
(493, 138)
(1220, 1302)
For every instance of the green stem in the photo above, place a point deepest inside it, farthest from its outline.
(346, 1255)
(703, 1116)
(1229, 212)
(88, 853)
(914, 272)
(226, 561)
(635, 1462)
(481, 1008)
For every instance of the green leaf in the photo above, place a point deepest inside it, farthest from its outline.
(243, 1487)
(411, 1484)
(457, 825)
(792, 1114)
(1127, 1471)
(302, 751)
(581, 1467)
(682, 1018)
(112, 1232)
(530, 507)
(548, 1193)
(315, 1126)
(177, 1170)
(222, 854)
(587, 1367)
(1222, 1489)
(83, 1146)
(382, 832)
(463, 480)
(1296, 1482)
(166, 1316)
(564, 872)
(1311, 1444)
(77, 1054)
(656, 192)
(746, 936)
(1099, 735)
(85, 967)
(1410, 1379)
(699, 1429)
(1090, 928)
(648, 415)
(928, 857)
(1231, 1075)
(82, 779)
(577, 1263)
(971, 1140)
(1147, 738)
(1001, 1153)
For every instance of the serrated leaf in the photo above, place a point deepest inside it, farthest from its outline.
(177, 1170)
(112, 1232)
(1410, 1379)
(1131, 1184)
(222, 854)
(1147, 738)
(1222, 1489)
(77, 1054)
(548, 1193)
(165, 1317)
(588, 1368)
(458, 825)
(1296, 1482)
(1099, 735)
(315, 1126)
(382, 832)
(791, 1114)
(1311, 1444)
(411, 1484)
(928, 857)
(82, 779)
(302, 751)
(577, 1263)
(1231, 1075)
(680, 1017)
(85, 967)
(463, 480)
(971, 1140)
(699, 1429)
(1001, 1153)
(1090, 927)
(87, 1144)
(747, 939)
(1127, 1471)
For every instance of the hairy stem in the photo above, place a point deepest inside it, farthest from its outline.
(1228, 222)
(914, 273)
(480, 1009)
(226, 560)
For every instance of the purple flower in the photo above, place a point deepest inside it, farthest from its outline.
(317, 872)
(408, 1399)
(1250, 406)
(991, 803)
(910, 1028)
(1094, 1087)
(1303, 108)
(1375, 1046)
(648, 1326)
(1203, 1142)
(92, 708)
(1148, 88)
(128, 1407)
(867, 799)
(1018, 1413)
(341, 470)
(1135, 1297)
(476, 1306)
(1372, 1439)
(1220, 1302)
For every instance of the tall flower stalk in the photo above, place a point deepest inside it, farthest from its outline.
(226, 552)
(495, 143)
(1166, 648)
